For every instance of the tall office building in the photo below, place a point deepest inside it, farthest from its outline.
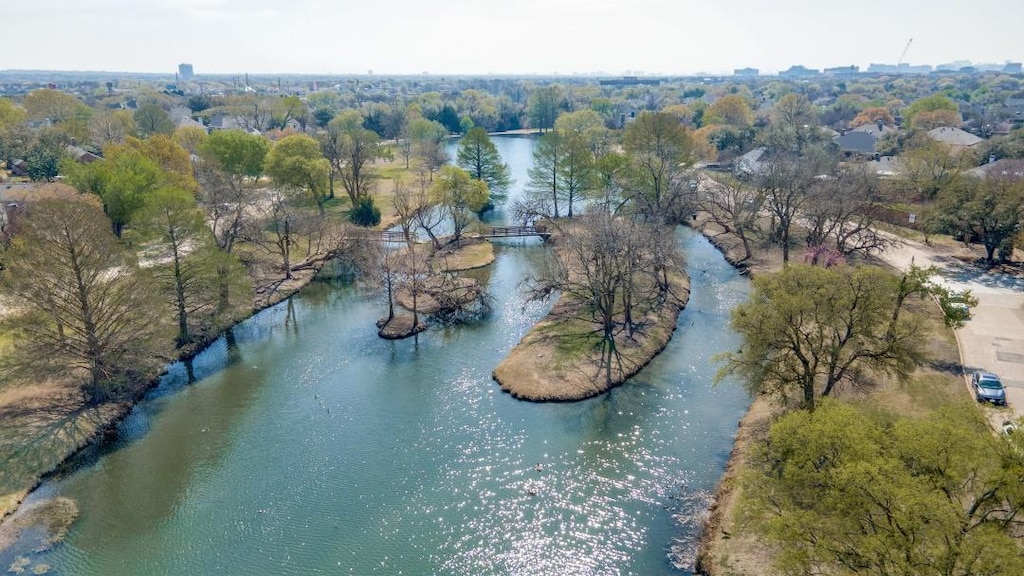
(185, 71)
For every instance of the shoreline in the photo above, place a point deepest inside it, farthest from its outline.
(113, 413)
(573, 384)
(758, 414)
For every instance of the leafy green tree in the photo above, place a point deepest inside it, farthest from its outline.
(610, 170)
(87, 309)
(991, 209)
(237, 153)
(290, 108)
(365, 213)
(122, 181)
(188, 266)
(840, 493)
(296, 162)
(577, 173)
(793, 123)
(427, 138)
(661, 150)
(480, 157)
(14, 135)
(198, 103)
(544, 175)
(808, 329)
(190, 138)
(588, 125)
(10, 114)
(110, 127)
(44, 156)
(930, 166)
(579, 122)
(731, 110)
(151, 119)
(927, 106)
(170, 156)
(544, 105)
(460, 195)
(53, 104)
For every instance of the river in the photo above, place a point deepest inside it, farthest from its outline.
(305, 444)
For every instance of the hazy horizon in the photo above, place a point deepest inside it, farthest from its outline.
(528, 37)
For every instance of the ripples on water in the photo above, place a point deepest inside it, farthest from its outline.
(311, 446)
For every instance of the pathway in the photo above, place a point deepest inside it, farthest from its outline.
(993, 339)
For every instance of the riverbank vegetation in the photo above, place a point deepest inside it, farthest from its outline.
(190, 207)
(858, 489)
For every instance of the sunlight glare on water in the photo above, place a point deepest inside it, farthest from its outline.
(307, 445)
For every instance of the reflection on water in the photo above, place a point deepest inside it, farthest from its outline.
(308, 445)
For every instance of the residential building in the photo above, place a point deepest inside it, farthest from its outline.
(1005, 168)
(954, 137)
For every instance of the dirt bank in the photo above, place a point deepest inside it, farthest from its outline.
(552, 363)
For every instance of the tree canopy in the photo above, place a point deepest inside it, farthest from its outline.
(478, 155)
(295, 162)
(841, 493)
(808, 329)
(85, 304)
(661, 149)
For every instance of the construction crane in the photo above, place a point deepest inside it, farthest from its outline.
(904, 53)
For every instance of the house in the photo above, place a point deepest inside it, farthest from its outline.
(752, 162)
(223, 122)
(856, 142)
(1005, 168)
(879, 129)
(19, 168)
(1014, 110)
(954, 137)
(863, 139)
(182, 118)
(81, 155)
(886, 166)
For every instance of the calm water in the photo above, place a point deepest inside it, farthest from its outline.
(307, 445)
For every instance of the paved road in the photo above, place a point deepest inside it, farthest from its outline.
(993, 338)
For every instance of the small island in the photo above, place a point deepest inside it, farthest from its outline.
(621, 291)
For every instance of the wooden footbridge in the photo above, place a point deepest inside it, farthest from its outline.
(514, 232)
(489, 232)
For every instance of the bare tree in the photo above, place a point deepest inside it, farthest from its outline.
(425, 214)
(86, 306)
(842, 210)
(786, 184)
(614, 271)
(733, 205)
(279, 240)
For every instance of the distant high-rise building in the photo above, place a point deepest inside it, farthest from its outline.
(1013, 68)
(185, 71)
(746, 72)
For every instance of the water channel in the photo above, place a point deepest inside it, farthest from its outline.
(305, 444)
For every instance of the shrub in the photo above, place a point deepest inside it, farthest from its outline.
(365, 213)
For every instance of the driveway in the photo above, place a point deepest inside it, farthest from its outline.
(993, 339)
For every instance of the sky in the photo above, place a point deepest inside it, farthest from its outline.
(501, 37)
